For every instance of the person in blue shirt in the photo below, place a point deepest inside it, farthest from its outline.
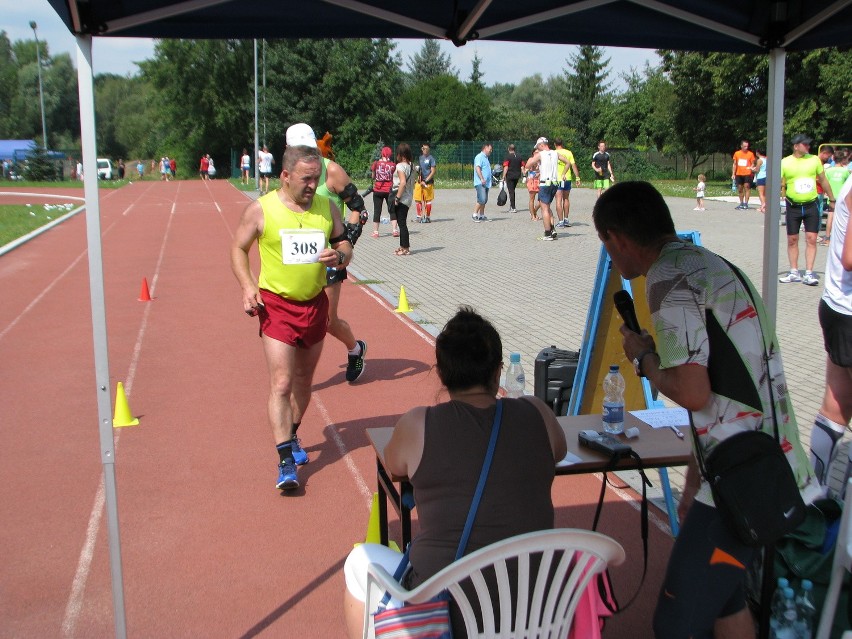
(482, 181)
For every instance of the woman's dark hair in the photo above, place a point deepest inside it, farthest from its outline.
(635, 209)
(403, 152)
(468, 351)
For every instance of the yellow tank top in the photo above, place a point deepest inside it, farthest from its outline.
(290, 245)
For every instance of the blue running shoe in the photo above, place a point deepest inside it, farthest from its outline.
(299, 454)
(287, 477)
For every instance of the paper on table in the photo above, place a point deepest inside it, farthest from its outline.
(569, 459)
(663, 417)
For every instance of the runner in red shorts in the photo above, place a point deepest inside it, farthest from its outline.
(299, 235)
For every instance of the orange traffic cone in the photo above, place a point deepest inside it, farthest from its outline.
(123, 416)
(403, 302)
(144, 294)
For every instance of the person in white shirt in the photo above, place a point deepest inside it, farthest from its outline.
(547, 163)
(264, 164)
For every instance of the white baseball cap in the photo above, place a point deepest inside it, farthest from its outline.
(301, 135)
(541, 140)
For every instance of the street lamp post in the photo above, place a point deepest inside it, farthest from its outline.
(34, 26)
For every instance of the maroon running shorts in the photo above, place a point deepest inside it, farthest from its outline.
(300, 324)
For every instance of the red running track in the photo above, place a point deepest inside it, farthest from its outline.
(209, 546)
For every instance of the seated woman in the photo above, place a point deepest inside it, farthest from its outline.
(441, 450)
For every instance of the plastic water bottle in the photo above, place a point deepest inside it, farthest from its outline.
(734, 187)
(787, 622)
(515, 378)
(613, 401)
(385, 220)
(805, 610)
(777, 606)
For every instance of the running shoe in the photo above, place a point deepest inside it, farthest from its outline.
(374, 234)
(483, 218)
(299, 454)
(356, 363)
(426, 220)
(811, 279)
(396, 233)
(287, 477)
(792, 276)
(559, 224)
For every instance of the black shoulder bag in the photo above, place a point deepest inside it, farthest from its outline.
(753, 485)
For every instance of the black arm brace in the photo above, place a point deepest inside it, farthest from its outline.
(354, 202)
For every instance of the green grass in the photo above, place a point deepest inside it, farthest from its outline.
(17, 220)
(683, 188)
(64, 184)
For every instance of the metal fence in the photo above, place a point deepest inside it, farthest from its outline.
(454, 160)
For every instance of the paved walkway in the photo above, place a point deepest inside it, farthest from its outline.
(537, 293)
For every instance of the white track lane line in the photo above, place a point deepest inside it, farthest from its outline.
(84, 564)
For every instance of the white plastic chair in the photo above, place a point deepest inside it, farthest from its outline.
(545, 595)
(842, 562)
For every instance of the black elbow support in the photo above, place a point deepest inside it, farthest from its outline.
(352, 198)
(353, 231)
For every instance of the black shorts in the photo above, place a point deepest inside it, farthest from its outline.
(744, 179)
(836, 335)
(266, 174)
(705, 577)
(798, 213)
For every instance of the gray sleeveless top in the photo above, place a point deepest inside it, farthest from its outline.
(516, 498)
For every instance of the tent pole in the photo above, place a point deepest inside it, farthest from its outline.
(99, 327)
(256, 147)
(774, 147)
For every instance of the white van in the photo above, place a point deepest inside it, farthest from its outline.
(104, 169)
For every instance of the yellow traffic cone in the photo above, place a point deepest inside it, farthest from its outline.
(374, 532)
(123, 416)
(403, 302)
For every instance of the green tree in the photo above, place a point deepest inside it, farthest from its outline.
(430, 62)
(451, 114)
(642, 114)
(8, 85)
(39, 168)
(204, 99)
(586, 89)
(346, 87)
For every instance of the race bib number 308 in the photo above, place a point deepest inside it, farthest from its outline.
(301, 246)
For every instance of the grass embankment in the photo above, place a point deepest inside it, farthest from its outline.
(17, 220)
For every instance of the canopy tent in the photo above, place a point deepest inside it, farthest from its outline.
(743, 26)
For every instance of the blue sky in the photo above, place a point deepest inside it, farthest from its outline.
(501, 61)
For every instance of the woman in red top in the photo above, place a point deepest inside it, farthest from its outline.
(382, 171)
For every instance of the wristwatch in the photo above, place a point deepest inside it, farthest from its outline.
(637, 361)
(341, 257)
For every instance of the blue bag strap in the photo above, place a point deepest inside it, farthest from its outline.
(474, 506)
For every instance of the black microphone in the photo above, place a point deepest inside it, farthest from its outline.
(624, 306)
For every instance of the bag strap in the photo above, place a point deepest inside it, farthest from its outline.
(474, 506)
(767, 346)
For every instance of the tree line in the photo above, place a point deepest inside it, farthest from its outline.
(197, 96)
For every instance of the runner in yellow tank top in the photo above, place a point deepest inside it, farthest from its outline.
(293, 229)
(800, 173)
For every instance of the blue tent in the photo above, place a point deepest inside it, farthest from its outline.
(19, 150)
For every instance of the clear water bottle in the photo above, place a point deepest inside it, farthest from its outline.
(385, 220)
(776, 609)
(787, 622)
(613, 401)
(515, 378)
(805, 610)
(734, 187)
